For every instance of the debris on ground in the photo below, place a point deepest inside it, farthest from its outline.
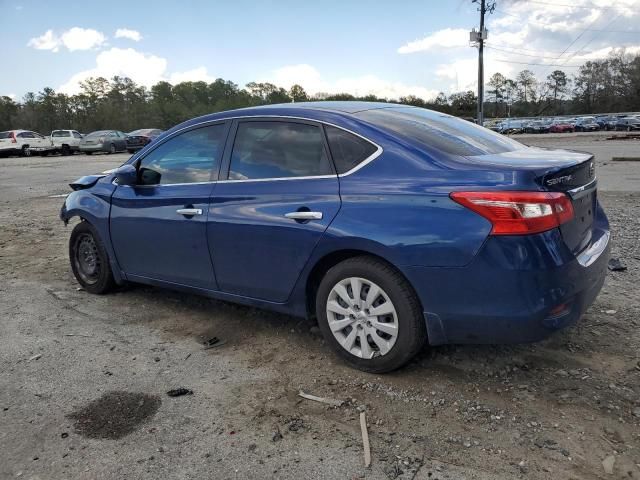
(213, 342)
(36, 357)
(178, 392)
(365, 439)
(329, 401)
(615, 265)
(608, 464)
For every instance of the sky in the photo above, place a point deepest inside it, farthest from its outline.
(386, 48)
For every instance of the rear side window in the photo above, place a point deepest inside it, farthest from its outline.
(190, 157)
(348, 150)
(278, 150)
(76, 135)
(60, 133)
(5, 134)
(442, 132)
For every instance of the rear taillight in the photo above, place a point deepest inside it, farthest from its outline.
(13, 137)
(517, 213)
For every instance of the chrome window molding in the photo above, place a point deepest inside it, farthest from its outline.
(362, 164)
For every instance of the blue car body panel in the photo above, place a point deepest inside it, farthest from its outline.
(474, 287)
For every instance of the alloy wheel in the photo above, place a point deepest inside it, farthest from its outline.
(362, 317)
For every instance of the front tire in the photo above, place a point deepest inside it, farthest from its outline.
(89, 259)
(370, 315)
(25, 151)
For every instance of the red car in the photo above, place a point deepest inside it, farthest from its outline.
(561, 126)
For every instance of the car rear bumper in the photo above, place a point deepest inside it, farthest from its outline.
(9, 150)
(516, 290)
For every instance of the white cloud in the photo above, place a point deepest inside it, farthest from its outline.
(447, 38)
(82, 39)
(127, 33)
(12, 96)
(46, 41)
(76, 38)
(312, 81)
(199, 74)
(144, 69)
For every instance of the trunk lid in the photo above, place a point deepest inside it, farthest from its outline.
(559, 171)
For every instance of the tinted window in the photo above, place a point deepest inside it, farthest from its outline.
(187, 158)
(348, 150)
(77, 135)
(26, 135)
(442, 132)
(60, 133)
(5, 134)
(99, 133)
(277, 150)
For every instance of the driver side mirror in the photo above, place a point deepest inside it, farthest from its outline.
(126, 175)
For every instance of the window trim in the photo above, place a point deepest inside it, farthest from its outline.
(229, 145)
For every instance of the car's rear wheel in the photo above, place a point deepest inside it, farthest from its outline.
(131, 150)
(66, 150)
(370, 315)
(112, 148)
(89, 259)
(88, 153)
(25, 151)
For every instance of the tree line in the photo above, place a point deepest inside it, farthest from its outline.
(608, 85)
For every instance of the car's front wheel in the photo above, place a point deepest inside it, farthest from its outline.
(370, 315)
(25, 151)
(89, 259)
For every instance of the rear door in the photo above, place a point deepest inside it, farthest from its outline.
(158, 227)
(278, 194)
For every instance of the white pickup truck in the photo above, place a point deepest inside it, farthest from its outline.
(66, 141)
(24, 143)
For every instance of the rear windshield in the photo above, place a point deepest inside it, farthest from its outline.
(5, 134)
(443, 132)
(60, 133)
(98, 133)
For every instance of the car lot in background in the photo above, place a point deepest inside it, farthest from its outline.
(107, 141)
(66, 142)
(537, 126)
(24, 143)
(139, 138)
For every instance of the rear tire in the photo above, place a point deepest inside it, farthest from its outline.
(65, 150)
(89, 259)
(401, 333)
(112, 148)
(132, 151)
(88, 153)
(25, 151)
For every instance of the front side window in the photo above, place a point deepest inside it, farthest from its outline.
(76, 135)
(348, 150)
(278, 150)
(190, 157)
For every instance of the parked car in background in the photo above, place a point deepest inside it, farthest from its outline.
(510, 127)
(24, 143)
(109, 141)
(323, 210)
(66, 141)
(628, 124)
(586, 124)
(139, 138)
(536, 126)
(560, 125)
(606, 122)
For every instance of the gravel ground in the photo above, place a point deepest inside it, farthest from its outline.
(83, 379)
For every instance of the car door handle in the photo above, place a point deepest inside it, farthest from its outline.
(304, 215)
(189, 211)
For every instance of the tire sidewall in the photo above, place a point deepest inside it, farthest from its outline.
(406, 309)
(105, 279)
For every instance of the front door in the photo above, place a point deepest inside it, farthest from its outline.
(158, 227)
(278, 196)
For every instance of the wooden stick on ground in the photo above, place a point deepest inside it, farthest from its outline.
(328, 401)
(365, 439)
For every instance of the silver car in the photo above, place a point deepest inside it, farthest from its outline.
(109, 141)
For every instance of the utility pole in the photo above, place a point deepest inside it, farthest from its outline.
(479, 38)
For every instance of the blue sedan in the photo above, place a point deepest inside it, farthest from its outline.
(393, 226)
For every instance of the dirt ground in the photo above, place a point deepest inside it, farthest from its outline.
(83, 378)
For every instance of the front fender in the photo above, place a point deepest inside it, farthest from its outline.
(93, 205)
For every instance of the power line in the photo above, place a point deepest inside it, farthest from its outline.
(543, 24)
(513, 52)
